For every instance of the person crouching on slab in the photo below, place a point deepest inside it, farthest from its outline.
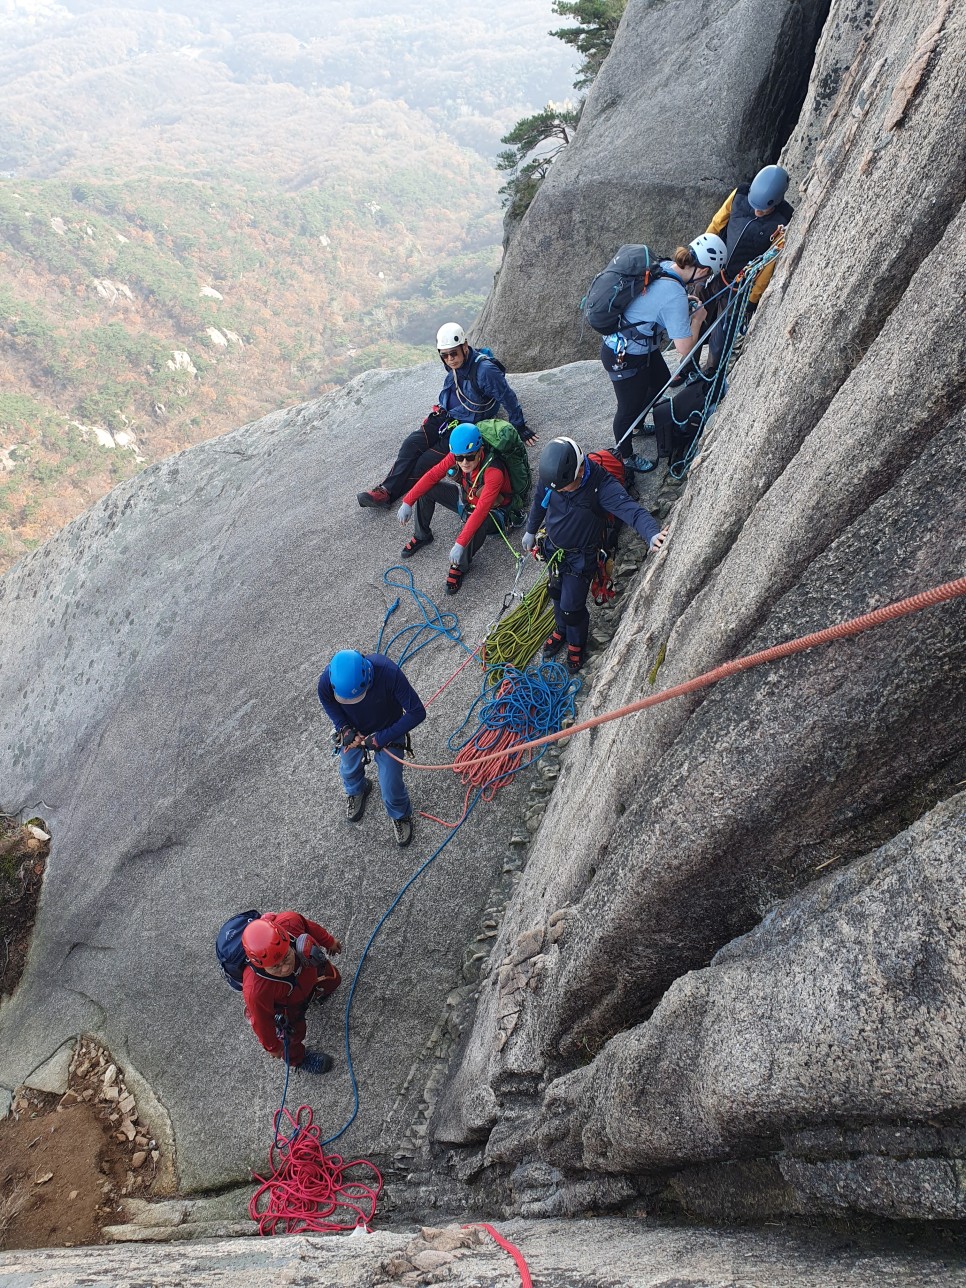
(573, 504)
(372, 707)
(288, 968)
(478, 487)
(475, 389)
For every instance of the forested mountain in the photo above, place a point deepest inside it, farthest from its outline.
(203, 216)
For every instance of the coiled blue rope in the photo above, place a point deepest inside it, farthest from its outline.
(535, 702)
(434, 622)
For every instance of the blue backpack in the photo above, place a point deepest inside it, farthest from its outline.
(229, 950)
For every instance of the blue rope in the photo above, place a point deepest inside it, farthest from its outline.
(538, 701)
(434, 622)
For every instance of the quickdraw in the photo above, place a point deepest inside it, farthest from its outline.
(602, 587)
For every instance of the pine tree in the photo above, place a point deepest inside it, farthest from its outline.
(599, 20)
(554, 125)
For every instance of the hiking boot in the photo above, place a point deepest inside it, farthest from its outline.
(553, 645)
(315, 1062)
(414, 544)
(641, 465)
(403, 831)
(374, 497)
(575, 658)
(454, 579)
(355, 806)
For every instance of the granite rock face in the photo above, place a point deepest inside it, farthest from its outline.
(830, 483)
(691, 101)
(158, 664)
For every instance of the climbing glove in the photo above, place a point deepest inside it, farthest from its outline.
(456, 554)
(528, 541)
(403, 513)
(306, 947)
(526, 433)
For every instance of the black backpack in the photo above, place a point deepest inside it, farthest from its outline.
(629, 273)
(229, 950)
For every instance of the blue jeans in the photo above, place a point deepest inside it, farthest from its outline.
(391, 785)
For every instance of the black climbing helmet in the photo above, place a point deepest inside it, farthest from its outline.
(561, 462)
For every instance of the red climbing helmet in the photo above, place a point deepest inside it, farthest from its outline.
(264, 944)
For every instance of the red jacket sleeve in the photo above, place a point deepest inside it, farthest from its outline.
(260, 1009)
(430, 479)
(495, 485)
(294, 924)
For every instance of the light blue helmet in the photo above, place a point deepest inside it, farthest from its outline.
(768, 187)
(350, 675)
(464, 439)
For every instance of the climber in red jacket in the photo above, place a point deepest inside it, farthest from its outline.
(288, 966)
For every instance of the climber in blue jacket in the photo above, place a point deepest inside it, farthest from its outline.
(573, 504)
(372, 707)
(475, 389)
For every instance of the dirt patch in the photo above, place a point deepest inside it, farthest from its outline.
(23, 860)
(67, 1161)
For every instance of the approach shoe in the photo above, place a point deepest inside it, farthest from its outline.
(315, 1062)
(641, 465)
(575, 658)
(403, 831)
(374, 497)
(553, 645)
(355, 806)
(414, 544)
(454, 579)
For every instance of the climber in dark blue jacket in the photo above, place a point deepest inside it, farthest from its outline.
(372, 707)
(475, 389)
(572, 504)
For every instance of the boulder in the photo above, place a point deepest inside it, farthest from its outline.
(830, 483)
(692, 100)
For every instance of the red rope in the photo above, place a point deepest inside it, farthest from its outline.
(308, 1191)
(455, 674)
(843, 630)
(507, 1246)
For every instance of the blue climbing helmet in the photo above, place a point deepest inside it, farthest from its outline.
(350, 675)
(464, 439)
(768, 187)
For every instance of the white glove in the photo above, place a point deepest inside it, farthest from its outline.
(657, 542)
(528, 541)
(456, 554)
(403, 513)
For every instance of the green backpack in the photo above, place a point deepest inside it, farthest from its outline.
(503, 439)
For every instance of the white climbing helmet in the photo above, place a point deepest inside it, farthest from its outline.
(449, 335)
(710, 251)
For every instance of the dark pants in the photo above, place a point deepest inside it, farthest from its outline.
(568, 594)
(448, 495)
(293, 1018)
(634, 392)
(420, 451)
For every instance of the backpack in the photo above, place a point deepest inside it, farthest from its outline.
(229, 950)
(628, 274)
(506, 443)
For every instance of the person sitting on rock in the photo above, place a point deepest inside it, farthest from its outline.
(632, 355)
(288, 967)
(474, 389)
(573, 505)
(372, 707)
(479, 489)
(749, 220)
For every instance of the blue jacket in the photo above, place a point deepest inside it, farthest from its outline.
(477, 391)
(390, 708)
(575, 521)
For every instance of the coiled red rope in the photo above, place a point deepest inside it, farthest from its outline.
(843, 630)
(515, 1253)
(308, 1191)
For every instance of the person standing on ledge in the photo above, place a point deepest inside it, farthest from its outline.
(372, 707)
(475, 389)
(288, 968)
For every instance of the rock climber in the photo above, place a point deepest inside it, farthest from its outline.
(572, 505)
(477, 489)
(372, 707)
(632, 356)
(474, 389)
(755, 213)
(288, 968)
